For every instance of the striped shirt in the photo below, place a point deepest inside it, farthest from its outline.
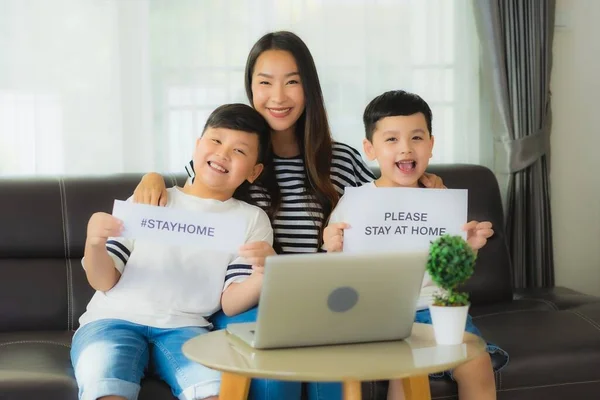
(299, 219)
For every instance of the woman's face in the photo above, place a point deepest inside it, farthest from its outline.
(277, 91)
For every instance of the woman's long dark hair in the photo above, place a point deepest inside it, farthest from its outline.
(312, 128)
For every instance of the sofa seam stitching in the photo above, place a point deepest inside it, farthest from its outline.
(546, 386)
(503, 312)
(34, 342)
(66, 250)
(585, 318)
(548, 302)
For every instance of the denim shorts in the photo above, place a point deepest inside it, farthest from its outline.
(110, 357)
(498, 355)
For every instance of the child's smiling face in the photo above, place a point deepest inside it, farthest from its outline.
(225, 158)
(402, 146)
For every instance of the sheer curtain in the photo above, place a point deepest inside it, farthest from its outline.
(105, 86)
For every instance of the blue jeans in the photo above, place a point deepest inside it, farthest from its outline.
(110, 357)
(263, 389)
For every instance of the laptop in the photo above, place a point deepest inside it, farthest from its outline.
(325, 299)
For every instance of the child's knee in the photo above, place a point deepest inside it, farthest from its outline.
(102, 374)
(480, 366)
(484, 362)
(108, 360)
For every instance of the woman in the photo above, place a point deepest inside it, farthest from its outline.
(304, 175)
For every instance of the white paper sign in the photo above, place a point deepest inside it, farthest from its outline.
(401, 219)
(219, 232)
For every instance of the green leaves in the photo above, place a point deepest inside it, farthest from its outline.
(451, 262)
(451, 299)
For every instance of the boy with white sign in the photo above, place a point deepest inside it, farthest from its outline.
(398, 136)
(152, 297)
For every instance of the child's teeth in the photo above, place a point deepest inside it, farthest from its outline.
(217, 167)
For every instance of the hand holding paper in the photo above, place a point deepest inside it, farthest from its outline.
(333, 236)
(478, 233)
(101, 226)
(255, 253)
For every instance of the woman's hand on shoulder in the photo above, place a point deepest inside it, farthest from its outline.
(432, 181)
(151, 190)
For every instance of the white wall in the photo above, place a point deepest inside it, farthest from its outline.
(575, 143)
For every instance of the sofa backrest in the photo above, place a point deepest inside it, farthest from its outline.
(43, 224)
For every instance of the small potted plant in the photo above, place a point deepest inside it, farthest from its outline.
(451, 262)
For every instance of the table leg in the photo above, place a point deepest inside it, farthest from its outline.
(416, 388)
(352, 390)
(234, 387)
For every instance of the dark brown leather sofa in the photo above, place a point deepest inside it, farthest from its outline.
(552, 335)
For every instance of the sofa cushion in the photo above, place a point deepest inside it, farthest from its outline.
(545, 347)
(559, 298)
(33, 294)
(37, 365)
(510, 306)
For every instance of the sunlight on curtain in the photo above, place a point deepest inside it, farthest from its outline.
(102, 86)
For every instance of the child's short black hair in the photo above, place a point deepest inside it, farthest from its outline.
(241, 117)
(392, 104)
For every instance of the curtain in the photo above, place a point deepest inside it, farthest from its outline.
(516, 47)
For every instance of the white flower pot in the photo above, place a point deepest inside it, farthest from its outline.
(449, 323)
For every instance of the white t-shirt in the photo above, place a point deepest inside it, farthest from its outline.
(170, 286)
(428, 288)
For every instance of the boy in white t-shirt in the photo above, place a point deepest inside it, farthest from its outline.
(150, 297)
(398, 136)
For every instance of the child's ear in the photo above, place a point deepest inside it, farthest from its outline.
(431, 149)
(196, 147)
(256, 171)
(369, 150)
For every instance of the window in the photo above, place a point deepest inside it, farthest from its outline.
(120, 86)
(361, 48)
